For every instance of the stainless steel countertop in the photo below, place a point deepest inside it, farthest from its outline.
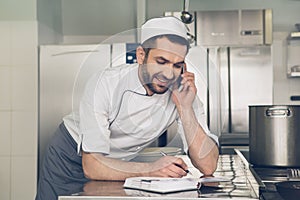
(242, 185)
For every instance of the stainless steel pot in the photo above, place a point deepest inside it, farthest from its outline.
(274, 135)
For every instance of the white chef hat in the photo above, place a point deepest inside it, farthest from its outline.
(162, 26)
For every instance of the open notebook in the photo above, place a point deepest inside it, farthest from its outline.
(168, 185)
(162, 185)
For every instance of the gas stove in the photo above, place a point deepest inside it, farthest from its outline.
(266, 178)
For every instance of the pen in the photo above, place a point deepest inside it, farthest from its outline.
(149, 180)
(187, 171)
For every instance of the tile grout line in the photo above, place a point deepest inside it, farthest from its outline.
(10, 99)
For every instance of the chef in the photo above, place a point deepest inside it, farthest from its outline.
(126, 108)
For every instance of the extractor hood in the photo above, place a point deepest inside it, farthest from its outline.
(234, 27)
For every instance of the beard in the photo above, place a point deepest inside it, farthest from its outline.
(148, 81)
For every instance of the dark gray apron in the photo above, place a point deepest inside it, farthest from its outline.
(61, 172)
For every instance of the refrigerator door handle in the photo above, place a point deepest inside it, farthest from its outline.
(72, 52)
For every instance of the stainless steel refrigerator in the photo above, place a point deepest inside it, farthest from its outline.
(232, 78)
(63, 70)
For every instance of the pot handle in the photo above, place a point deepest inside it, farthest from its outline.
(278, 112)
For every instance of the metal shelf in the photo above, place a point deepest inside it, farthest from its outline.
(294, 74)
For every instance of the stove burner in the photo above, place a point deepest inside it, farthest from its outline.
(268, 176)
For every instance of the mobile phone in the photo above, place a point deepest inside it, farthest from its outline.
(180, 86)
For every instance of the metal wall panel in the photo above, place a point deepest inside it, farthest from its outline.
(247, 77)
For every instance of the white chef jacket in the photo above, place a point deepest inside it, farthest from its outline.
(118, 119)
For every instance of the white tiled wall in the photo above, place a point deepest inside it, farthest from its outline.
(5, 170)
(18, 109)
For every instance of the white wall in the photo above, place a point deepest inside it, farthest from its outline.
(19, 40)
(18, 99)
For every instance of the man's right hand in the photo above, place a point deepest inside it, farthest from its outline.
(169, 166)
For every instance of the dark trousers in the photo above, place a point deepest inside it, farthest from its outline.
(61, 172)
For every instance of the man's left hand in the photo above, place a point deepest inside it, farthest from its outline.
(184, 98)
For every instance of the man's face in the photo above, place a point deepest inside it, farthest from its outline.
(163, 66)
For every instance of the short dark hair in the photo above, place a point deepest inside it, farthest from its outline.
(151, 42)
